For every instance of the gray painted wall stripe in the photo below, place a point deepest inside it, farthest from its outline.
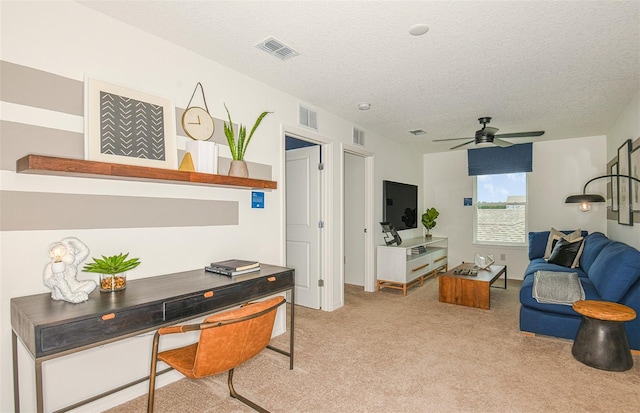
(30, 211)
(19, 139)
(32, 87)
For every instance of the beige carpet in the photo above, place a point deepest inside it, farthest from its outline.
(383, 352)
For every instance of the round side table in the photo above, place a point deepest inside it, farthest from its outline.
(601, 341)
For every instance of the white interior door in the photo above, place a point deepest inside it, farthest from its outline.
(303, 216)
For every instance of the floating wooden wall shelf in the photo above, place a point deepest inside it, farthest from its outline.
(49, 165)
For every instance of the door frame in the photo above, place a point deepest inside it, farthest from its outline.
(369, 277)
(326, 209)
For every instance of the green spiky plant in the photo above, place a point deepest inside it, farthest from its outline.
(116, 264)
(239, 147)
(429, 219)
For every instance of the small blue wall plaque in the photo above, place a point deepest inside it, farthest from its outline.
(257, 199)
(468, 202)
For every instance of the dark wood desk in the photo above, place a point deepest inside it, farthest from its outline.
(50, 329)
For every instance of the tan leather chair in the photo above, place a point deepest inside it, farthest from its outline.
(226, 341)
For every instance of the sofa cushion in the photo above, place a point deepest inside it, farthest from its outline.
(526, 296)
(538, 242)
(567, 252)
(540, 264)
(593, 244)
(555, 236)
(614, 270)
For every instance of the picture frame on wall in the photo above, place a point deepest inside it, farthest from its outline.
(634, 165)
(127, 126)
(614, 187)
(625, 214)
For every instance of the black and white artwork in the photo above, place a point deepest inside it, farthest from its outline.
(129, 127)
(625, 214)
(635, 172)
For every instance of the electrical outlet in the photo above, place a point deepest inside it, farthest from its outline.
(503, 257)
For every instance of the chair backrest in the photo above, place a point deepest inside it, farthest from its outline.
(226, 347)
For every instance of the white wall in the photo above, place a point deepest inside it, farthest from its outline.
(70, 40)
(627, 127)
(560, 168)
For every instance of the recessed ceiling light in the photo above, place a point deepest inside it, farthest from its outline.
(417, 132)
(418, 29)
(364, 106)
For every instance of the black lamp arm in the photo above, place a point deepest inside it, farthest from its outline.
(584, 190)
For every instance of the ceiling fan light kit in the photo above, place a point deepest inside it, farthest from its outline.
(486, 136)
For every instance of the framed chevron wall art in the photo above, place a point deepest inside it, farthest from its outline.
(130, 127)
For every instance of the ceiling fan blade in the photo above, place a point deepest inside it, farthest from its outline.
(488, 131)
(520, 134)
(449, 139)
(499, 142)
(462, 144)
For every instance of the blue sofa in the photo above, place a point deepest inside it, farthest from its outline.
(608, 270)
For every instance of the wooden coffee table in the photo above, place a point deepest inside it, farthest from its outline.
(470, 290)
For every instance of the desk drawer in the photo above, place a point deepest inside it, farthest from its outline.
(60, 337)
(210, 301)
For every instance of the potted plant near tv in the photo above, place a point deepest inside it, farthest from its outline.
(239, 147)
(429, 220)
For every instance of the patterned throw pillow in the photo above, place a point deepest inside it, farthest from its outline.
(555, 236)
(567, 253)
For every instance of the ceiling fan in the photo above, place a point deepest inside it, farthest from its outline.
(487, 135)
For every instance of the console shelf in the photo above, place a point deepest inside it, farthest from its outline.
(410, 263)
(48, 165)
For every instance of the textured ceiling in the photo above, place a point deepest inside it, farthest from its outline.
(566, 67)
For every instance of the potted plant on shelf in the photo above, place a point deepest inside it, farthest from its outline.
(429, 220)
(239, 147)
(112, 270)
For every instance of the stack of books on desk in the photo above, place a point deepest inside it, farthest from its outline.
(233, 267)
(420, 249)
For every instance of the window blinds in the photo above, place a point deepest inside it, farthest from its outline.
(497, 160)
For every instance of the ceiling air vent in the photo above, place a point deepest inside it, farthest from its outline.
(277, 48)
(308, 118)
(358, 136)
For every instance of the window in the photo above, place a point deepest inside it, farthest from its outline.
(501, 209)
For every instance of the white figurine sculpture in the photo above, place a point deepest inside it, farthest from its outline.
(60, 274)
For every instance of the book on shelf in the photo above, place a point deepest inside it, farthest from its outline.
(235, 265)
(420, 249)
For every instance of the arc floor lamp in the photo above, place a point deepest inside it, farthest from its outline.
(586, 199)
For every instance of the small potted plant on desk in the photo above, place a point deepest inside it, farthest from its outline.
(112, 270)
(429, 220)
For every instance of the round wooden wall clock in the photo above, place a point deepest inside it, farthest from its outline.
(196, 121)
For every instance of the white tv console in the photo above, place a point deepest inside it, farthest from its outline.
(402, 266)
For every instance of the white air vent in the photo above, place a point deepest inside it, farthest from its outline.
(358, 136)
(308, 118)
(277, 48)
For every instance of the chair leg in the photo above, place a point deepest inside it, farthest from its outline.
(152, 373)
(244, 400)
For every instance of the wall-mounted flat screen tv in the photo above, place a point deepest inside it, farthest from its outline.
(400, 204)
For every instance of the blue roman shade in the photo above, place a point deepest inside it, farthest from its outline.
(497, 160)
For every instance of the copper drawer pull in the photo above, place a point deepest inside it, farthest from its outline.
(108, 316)
(271, 279)
(208, 294)
(440, 259)
(419, 268)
